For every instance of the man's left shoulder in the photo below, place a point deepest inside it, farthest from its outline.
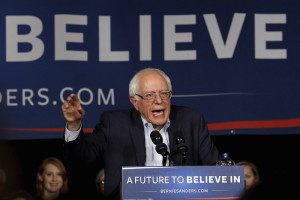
(184, 110)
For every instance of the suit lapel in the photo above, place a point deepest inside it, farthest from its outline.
(173, 127)
(138, 138)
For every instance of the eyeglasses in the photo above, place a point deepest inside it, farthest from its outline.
(152, 95)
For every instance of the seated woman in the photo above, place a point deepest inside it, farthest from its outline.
(51, 180)
(251, 175)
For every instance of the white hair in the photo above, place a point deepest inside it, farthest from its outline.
(133, 85)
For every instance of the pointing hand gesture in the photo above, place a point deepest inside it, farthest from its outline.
(73, 112)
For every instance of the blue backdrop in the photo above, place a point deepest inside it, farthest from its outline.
(237, 62)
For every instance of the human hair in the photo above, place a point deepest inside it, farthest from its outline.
(134, 86)
(20, 194)
(99, 174)
(57, 163)
(252, 167)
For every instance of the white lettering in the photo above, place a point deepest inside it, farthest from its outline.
(105, 52)
(9, 97)
(62, 37)
(13, 38)
(110, 96)
(91, 96)
(206, 179)
(27, 97)
(61, 95)
(23, 32)
(129, 180)
(262, 36)
(224, 49)
(171, 37)
(40, 94)
(145, 38)
(235, 179)
(180, 179)
(151, 179)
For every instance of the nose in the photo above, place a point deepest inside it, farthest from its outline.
(157, 99)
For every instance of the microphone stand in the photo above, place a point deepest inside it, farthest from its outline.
(171, 157)
(182, 149)
(184, 156)
(162, 149)
(164, 161)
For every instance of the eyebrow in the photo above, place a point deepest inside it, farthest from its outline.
(165, 90)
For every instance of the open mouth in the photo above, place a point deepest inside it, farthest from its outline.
(158, 112)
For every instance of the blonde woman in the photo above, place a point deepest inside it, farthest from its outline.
(251, 175)
(52, 180)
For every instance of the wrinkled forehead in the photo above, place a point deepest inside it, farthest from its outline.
(152, 82)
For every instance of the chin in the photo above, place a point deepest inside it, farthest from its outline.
(159, 123)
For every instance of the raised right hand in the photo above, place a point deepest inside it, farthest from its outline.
(73, 112)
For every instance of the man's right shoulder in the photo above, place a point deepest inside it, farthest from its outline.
(125, 115)
(119, 111)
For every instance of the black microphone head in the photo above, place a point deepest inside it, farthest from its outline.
(179, 140)
(156, 137)
(178, 136)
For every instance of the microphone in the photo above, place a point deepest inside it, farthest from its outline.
(156, 137)
(181, 147)
(161, 148)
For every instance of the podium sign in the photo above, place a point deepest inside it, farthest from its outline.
(182, 182)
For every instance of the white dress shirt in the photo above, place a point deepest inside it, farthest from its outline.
(152, 157)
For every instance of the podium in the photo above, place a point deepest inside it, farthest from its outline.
(182, 182)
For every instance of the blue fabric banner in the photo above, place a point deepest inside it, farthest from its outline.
(237, 62)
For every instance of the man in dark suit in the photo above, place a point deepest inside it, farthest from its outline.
(122, 137)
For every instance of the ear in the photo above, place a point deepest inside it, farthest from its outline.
(134, 102)
(40, 178)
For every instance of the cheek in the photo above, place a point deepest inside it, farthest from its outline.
(144, 108)
(45, 178)
(60, 179)
(249, 180)
(45, 182)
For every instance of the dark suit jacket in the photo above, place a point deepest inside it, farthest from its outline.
(118, 140)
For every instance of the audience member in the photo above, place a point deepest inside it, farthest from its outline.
(51, 180)
(20, 195)
(122, 137)
(251, 174)
(100, 180)
(10, 175)
(279, 187)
